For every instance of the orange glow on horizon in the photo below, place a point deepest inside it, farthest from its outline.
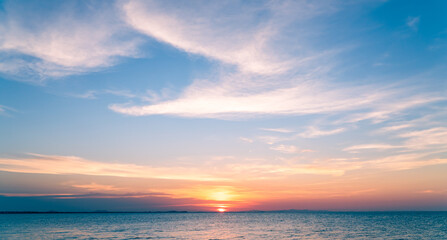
(221, 210)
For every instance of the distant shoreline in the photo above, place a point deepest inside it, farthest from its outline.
(253, 211)
(62, 212)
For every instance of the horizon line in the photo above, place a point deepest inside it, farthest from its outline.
(248, 211)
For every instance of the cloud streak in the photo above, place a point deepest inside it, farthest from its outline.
(76, 165)
(285, 148)
(223, 102)
(279, 130)
(413, 22)
(313, 132)
(289, 149)
(227, 172)
(371, 146)
(5, 111)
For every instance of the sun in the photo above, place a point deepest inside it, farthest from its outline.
(221, 210)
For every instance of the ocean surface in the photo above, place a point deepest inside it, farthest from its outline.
(269, 225)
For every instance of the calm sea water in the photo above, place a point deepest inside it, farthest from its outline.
(379, 225)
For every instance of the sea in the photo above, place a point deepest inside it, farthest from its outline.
(252, 225)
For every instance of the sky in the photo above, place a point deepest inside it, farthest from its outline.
(234, 105)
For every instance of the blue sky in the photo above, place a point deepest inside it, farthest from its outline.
(226, 95)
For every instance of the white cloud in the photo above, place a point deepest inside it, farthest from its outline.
(227, 172)
(285, 148)
(220, 171)
(277, 72)
(431, 141)
(266, 80)
(395, 127)
(229, 33)
(371, 146)
(312, 132)
(222, 101)
(336, 167)
(272, 139)
(238, 95)
(289, 149)
(403, 162)
(63, 42)
(249, 140)
(279, 130)
(391, 106)
(271, 170)
(50, 164)
(273, 76)
(93, 94)
(95, 187)
(427, 138)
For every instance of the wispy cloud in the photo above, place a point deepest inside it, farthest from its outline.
(267, 79)
(231, 178)
(76, 165)
(271, 170)
(6, 111)
(121, 93)
(279, 130)
(273, 139)
(93, 94)
(227, 172)
(289, 149)
(371, 146)
(63, 42)
(206, 29)
(249, 140)
(337, 167)
(395, 127)
(383, 110)
(404, 161)
(312, 132)
(430, 139)
(217, 101)
(426, 134)
(95, 187)
(413, 22)
(285, 148)
(427, 138)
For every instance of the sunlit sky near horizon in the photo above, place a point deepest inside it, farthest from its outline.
(230, 105)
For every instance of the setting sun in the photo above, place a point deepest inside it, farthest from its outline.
(221, 210)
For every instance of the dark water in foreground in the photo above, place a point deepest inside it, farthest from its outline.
(378, 225)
